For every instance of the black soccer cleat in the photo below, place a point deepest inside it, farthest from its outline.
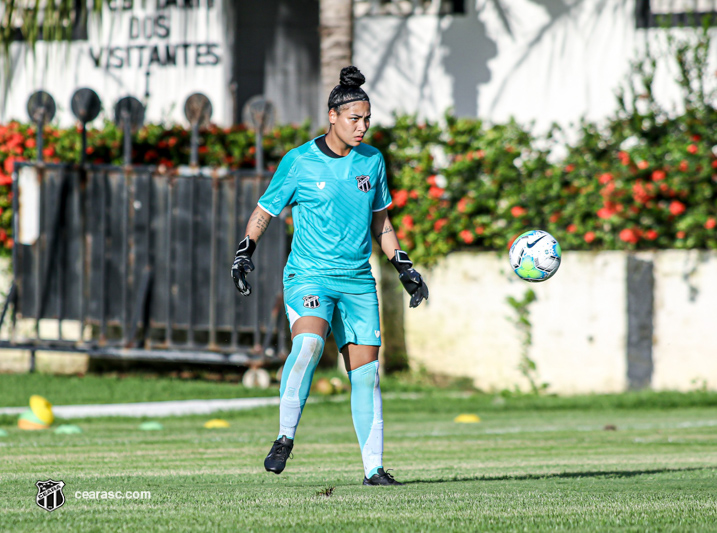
(280, 452)
(381, 478)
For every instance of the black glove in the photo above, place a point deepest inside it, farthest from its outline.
(243, 265)
(412, 280)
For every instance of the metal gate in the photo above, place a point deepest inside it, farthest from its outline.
(140, 261)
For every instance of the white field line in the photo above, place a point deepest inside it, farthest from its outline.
(185, 407)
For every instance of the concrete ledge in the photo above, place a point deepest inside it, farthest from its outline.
(579, 322)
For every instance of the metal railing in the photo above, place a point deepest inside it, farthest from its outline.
(139, 261)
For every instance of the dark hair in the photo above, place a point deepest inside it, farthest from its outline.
(349, 89)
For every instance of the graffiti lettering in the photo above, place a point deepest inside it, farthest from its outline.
(160, 55)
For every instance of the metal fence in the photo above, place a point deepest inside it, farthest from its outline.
(140, 261)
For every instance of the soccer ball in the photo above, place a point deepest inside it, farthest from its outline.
(535, 256)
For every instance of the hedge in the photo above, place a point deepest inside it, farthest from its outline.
(642, 179)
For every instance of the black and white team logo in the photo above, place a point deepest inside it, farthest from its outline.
(311, 301)
(49, 494)
(364, 183)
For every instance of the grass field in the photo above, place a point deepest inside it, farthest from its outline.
(530, 465)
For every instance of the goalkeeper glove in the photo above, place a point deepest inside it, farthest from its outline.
(243, 265)
(411, 280)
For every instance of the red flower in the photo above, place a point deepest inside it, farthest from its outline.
(463, 204)
(677, 207)
(5, 179)
(680, 234)
(696, 138)
(606, 211)
(624, 157)
(572, 228)
(639, 193)
(435, 192)
(203, 149)
(480, 230)
(30, 143)
(479, 154)
(630, 235)
(554, 217)
(651, 235)
(439, 224)
(431, 180)
(10, 161)
(714, 163)
(9, 243)
(608, 189)
(413, 194)
(401, 234)
(658, 175)
(407, 222)
(711, 223)
(683, 166)
(642, 165)
(570, 168)
(517, 211)
(400, 198)
(692, 148)
(467, 236)
(589, 237)
(605, 178)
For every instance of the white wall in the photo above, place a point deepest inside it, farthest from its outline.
(685, 343)
(579, 322)
(113, 63)
(536, 60)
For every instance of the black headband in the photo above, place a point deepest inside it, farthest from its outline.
(359, 99)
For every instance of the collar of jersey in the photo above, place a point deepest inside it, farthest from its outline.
(328, 159)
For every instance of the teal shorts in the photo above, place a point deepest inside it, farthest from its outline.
(353, 318)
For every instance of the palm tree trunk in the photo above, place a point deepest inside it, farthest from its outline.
(336, 30)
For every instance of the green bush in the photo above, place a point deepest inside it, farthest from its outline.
(644, 179)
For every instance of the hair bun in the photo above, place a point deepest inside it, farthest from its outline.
(351, 77)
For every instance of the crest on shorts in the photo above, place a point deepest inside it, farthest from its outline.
(364, 183)
(49, 494)
(311, 301)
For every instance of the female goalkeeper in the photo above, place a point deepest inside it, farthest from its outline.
(337, 189)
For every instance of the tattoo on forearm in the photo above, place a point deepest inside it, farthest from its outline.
(386, 229)
(260, 221)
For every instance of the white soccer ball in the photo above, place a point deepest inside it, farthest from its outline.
(535, 256)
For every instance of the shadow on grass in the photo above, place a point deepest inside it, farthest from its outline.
(565, 475)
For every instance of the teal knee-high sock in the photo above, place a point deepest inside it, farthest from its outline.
(296, 379)
(367, 412)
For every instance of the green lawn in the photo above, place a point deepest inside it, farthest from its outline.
(524, 467)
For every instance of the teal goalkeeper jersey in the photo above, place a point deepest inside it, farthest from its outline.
(332, 202)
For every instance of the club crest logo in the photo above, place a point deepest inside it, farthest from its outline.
(311, 301)
(321, 184)
(364, 183)
(49, 494)
(377, 333)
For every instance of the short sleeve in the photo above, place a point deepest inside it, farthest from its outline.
(282, 189)
(382, 198)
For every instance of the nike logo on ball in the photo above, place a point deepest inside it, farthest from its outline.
(530, 245)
